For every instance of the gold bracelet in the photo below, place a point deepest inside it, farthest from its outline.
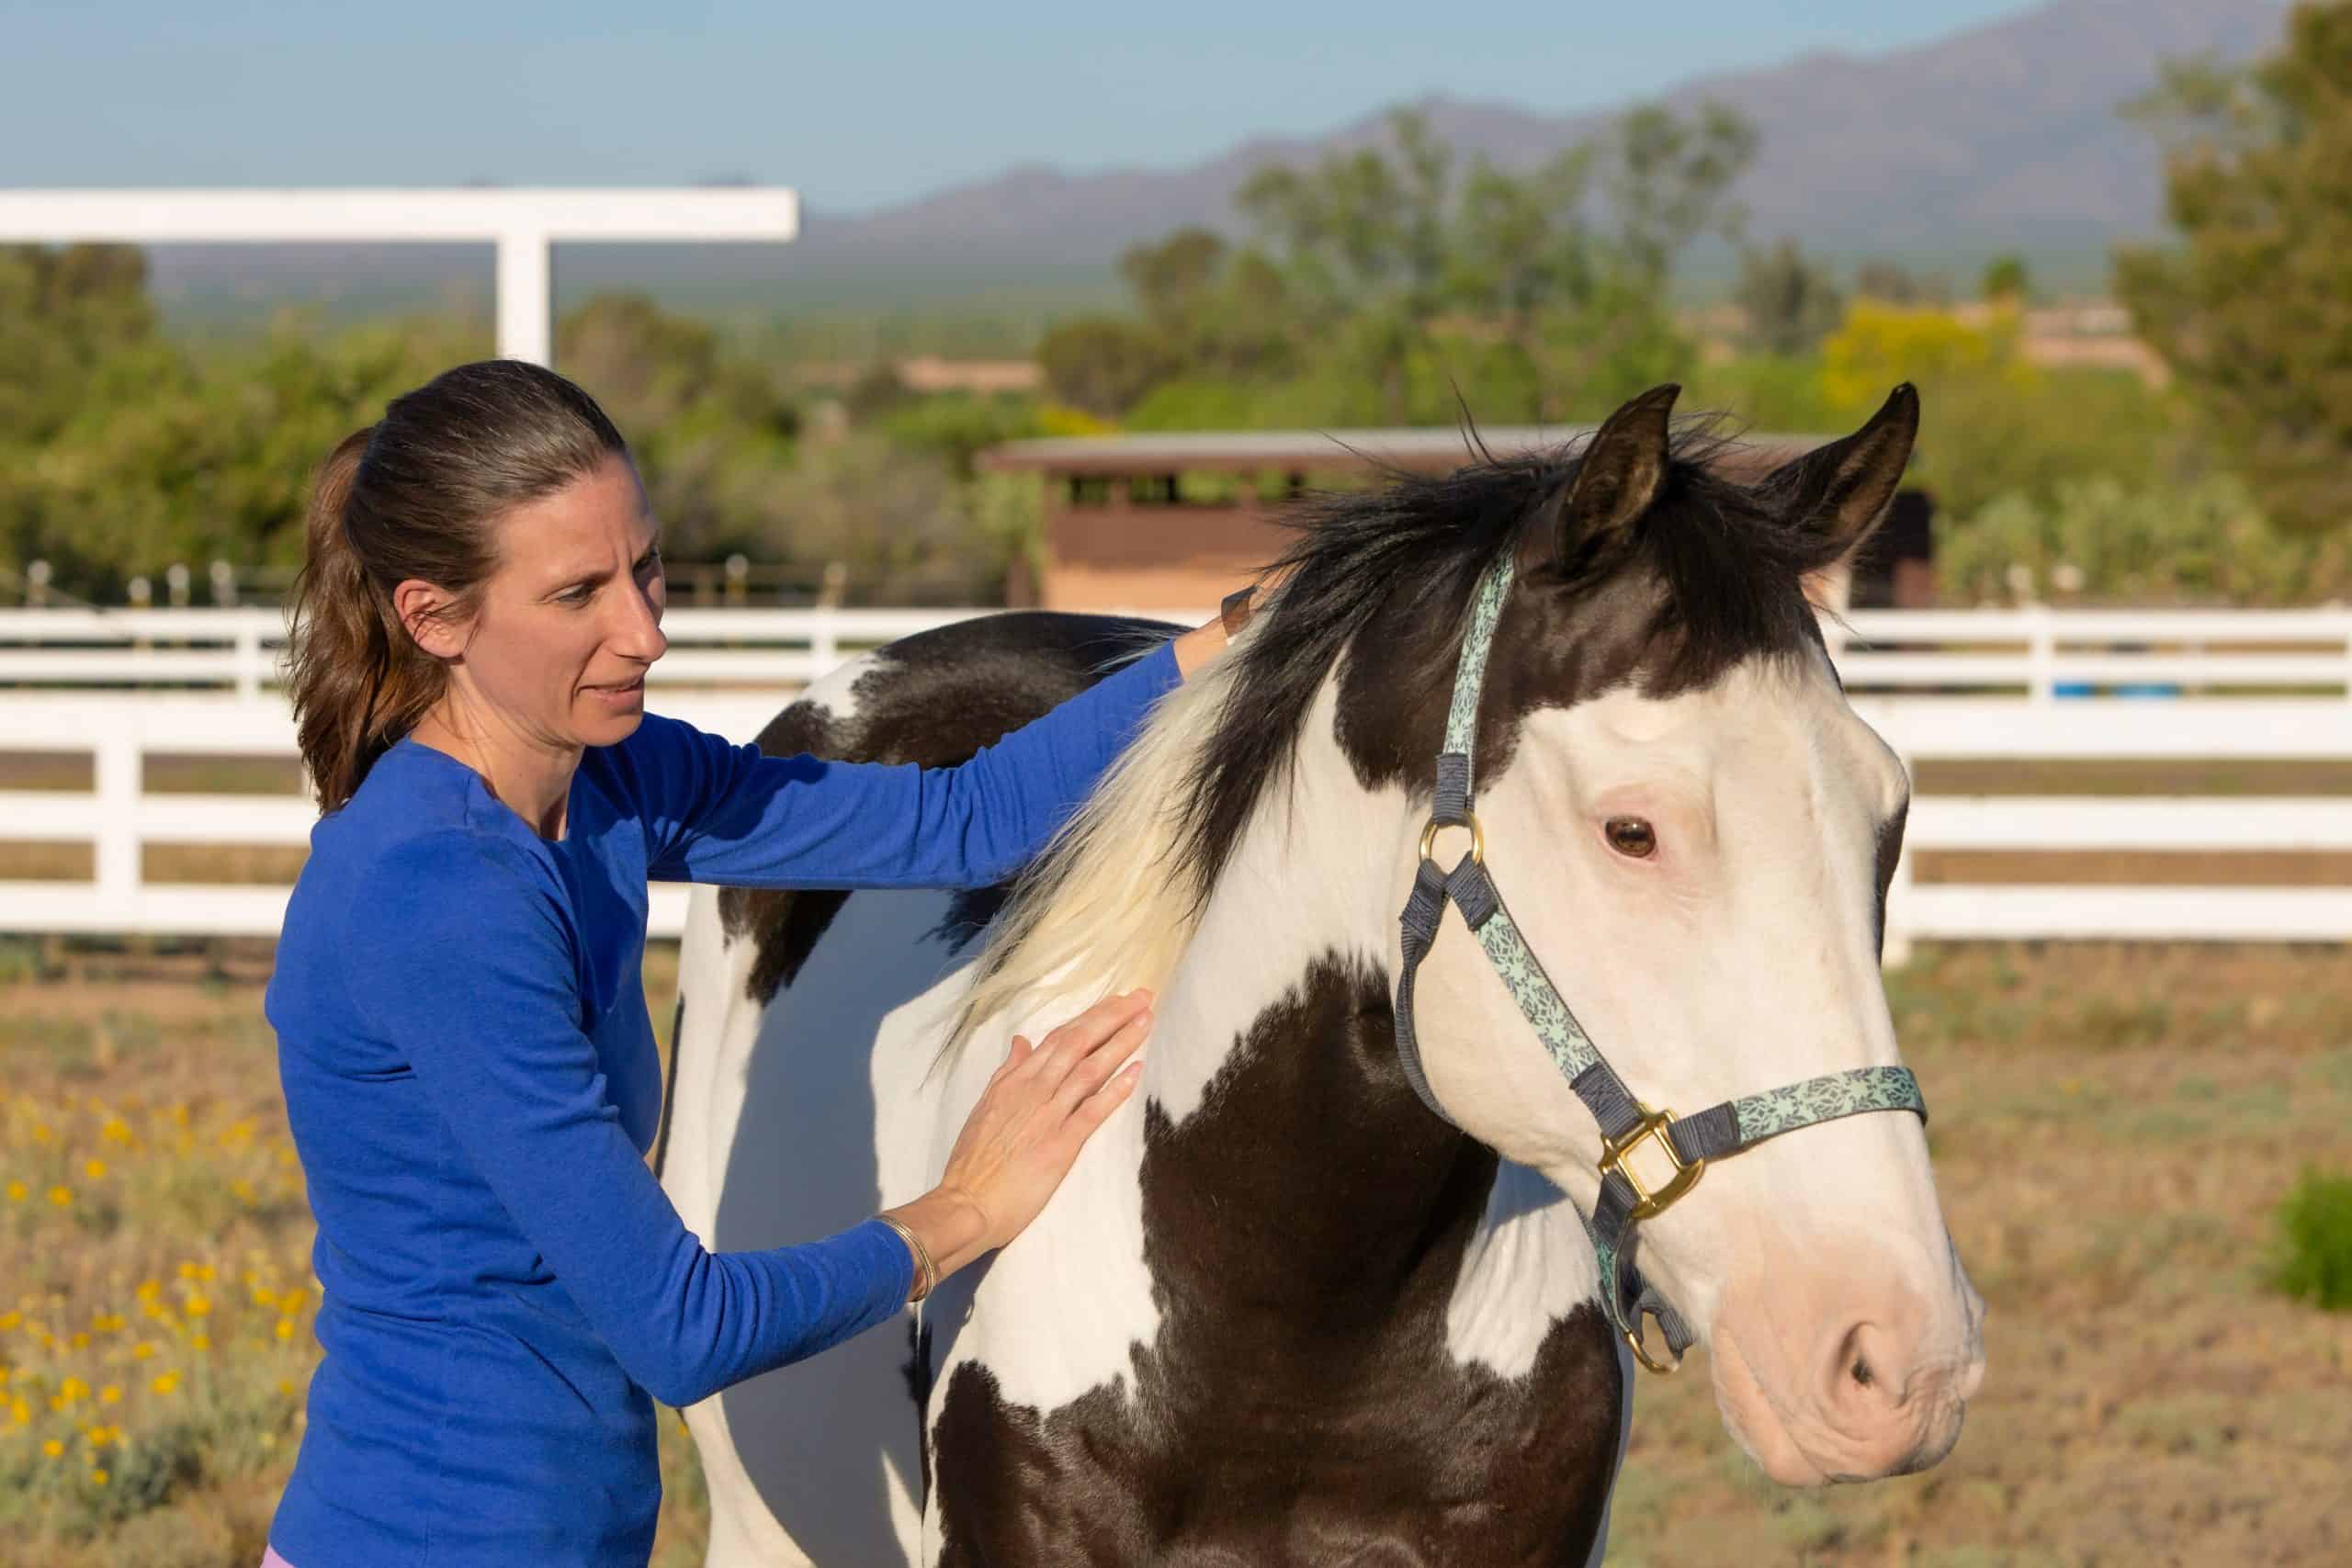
(926, 1272)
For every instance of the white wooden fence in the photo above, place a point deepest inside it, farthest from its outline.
(2037, 653)
(122, 819)
(239, 650)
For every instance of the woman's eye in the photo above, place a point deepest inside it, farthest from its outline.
(1631, 836)
(580, 595)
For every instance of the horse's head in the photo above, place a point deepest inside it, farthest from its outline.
(1693, 834)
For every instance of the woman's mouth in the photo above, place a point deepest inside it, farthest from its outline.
(628, 694)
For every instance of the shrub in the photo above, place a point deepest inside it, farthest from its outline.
(2314, 1257)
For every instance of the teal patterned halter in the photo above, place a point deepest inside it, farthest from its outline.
(1688, 1143)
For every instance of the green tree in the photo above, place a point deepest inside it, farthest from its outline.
(2253, 306)
(2005, 278)
(1790, 300)
(1104, 363)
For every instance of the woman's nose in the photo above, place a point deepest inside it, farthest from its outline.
(639, 634)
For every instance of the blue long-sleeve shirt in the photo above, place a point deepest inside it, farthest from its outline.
(472, 1084)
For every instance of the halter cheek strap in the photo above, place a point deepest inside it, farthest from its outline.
(1685, 1145)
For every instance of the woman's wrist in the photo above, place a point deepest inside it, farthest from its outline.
(946, 1223)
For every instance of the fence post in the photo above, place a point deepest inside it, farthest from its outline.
(824, 642)
(248, 657)
(2042, 655)
(116, 773)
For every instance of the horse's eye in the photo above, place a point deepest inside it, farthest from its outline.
(1632, 836)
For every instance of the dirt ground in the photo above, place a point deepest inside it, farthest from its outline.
(2113, 1127)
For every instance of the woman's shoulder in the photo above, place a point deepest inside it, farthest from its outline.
(413, 823)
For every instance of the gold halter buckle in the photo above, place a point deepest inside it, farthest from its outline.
(1648, 1204)
(1469, 820)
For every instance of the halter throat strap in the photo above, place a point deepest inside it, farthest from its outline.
(1673, 1152)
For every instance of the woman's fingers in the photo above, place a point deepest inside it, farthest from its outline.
(1070, 1044)
(1092, 1071)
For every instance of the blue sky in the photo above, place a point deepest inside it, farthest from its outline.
(857, 106)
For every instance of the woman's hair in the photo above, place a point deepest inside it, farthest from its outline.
(418, 494)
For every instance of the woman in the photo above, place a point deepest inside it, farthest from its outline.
(463, 1043)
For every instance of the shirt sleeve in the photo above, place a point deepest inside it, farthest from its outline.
(466, 964)
(729, 814)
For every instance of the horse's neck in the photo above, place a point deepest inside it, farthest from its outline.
(1284, 1139)
(1275, 1066)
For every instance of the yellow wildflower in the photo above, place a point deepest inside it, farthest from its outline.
(81, 1339)
(143, 1349)
(96, 1169)
(75, 1388)
(285, 1386)
(286, 1328)
(109, 1394)
(60, 1196)
(166, 1381)
(16, 1190)
(197, 1304)
(19, 1412)
(293, 1302)
(263, 1296)
(149, 1289)
(98, 1477)
(115, 1131)
(199, 1341)
(10, 1319)
(108, 1323)
(42, 1133)
(53, 1448)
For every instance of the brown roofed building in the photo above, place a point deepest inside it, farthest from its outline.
(1170, 522)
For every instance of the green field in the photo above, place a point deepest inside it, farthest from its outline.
(2113, 1129)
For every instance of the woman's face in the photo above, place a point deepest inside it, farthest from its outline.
(556, 654)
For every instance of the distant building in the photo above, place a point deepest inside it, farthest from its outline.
(1169, 522)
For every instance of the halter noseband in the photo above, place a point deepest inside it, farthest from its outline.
(1688, 1143)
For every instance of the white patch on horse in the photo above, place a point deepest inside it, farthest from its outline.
(835, 691)
(1529, 1265)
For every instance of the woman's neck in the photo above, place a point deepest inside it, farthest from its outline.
(530, 777)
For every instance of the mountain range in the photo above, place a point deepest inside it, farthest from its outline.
(2005, 136)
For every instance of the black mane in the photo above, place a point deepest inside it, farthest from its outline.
(1719, 566)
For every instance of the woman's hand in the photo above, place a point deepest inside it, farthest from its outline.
(1038, 1110)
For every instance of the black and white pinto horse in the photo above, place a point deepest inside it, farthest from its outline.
(1280, 1312)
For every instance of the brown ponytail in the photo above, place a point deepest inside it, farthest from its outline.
(417, 496)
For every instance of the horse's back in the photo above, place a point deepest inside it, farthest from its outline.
(801, 1100)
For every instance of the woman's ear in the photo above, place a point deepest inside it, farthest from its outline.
(426, 611)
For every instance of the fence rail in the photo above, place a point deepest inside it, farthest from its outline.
(2041, 654)
(122, 818)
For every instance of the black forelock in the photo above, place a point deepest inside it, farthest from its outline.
(1720, 569)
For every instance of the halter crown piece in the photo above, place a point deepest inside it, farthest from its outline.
(1686, 1144)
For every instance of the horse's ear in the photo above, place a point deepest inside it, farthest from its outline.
(1623, 466)
(1842, 490)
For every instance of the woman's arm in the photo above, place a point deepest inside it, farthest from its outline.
(466, 966)
(723, 813)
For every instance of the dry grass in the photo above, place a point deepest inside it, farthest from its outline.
(2113, 1127)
